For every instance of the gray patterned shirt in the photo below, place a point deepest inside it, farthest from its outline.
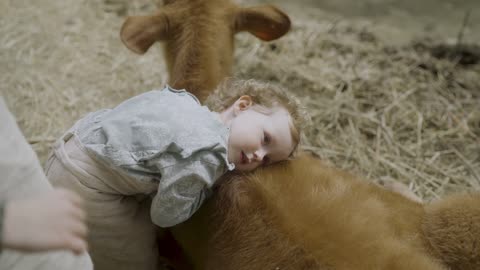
(164, 136)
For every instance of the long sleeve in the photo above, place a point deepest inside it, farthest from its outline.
(21, 175)
(183, 188)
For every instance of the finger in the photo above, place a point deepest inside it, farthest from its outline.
(78, 213)
(77, 245)
(79, 229)
(72, 196)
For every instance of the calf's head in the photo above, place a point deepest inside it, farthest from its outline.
(198, 37)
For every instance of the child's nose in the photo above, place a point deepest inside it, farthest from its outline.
(259, 155)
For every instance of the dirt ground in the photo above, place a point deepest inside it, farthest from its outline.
(393, 95)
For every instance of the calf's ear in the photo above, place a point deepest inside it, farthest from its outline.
(266, 22)
(139, 33)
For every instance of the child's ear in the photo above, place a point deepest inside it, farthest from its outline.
(243, 103)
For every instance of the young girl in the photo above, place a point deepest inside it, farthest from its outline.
(156, 156)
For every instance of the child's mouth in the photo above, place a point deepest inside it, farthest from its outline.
(243, 158)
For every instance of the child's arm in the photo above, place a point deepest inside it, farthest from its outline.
(183, 188)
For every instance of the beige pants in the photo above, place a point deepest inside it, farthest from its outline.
(20, 177)
(121, 234)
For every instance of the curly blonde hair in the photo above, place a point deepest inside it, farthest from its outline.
(265, 94)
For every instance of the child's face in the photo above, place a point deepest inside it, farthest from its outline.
(259, 139)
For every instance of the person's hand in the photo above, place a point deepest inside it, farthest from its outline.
(51, 221)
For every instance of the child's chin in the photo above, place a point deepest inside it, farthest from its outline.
(243, 168)
(239, 167)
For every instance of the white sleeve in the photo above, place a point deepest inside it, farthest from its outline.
(182, 189)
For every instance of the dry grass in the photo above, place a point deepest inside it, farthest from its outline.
(383, 111)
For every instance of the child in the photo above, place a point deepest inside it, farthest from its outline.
(156, 156)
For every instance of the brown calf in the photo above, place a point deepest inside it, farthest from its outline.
(199, 37)
(303, 214)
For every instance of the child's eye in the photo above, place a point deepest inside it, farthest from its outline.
(266, 138)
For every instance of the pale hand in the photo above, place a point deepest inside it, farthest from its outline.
(53, 220)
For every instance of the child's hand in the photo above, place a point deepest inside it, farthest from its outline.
(54, 220)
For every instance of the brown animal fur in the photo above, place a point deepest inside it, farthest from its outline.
(199, 37)
(305, 215)
(452, 226)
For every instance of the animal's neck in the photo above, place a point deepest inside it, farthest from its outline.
(195, 72)
(197, 66)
